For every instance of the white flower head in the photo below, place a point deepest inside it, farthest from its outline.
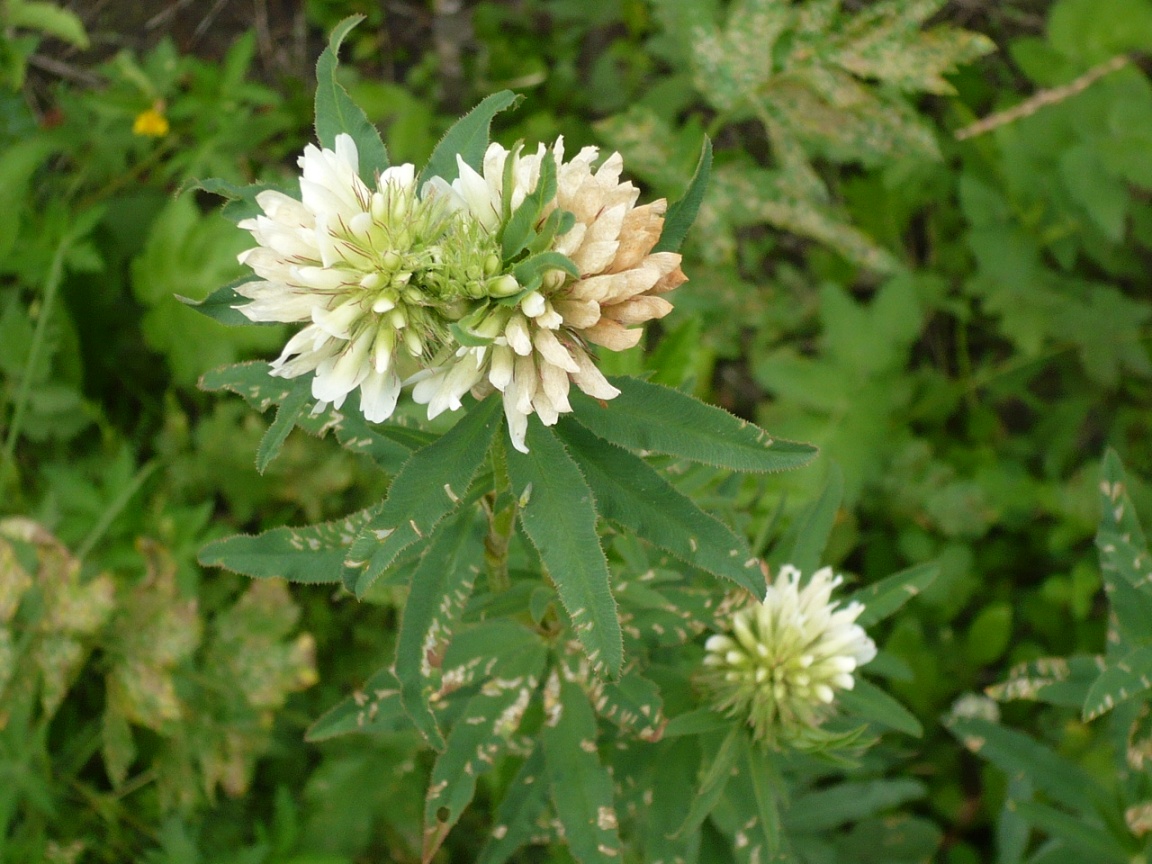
(375, 273)
(786, 657)
(533, 351)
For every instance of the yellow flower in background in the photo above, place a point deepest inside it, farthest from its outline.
(151, 123)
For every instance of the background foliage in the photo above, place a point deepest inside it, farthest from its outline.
(961, 323)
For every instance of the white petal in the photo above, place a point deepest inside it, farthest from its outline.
(378, 395)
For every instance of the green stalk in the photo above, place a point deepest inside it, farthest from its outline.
(51, 288)
(501, 508)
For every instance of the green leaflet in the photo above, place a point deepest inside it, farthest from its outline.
(312, 554)
(1083, 837)
(816, 526)
(652, 417)
(491, 717)
(765, 783)
(885, 597)
(1016, 753)
(633, 703)
(581, 786)
(1055, 680)
(673, 784)
(441, 585)
(468, 137)
(427, 488)
(337, 113)
(713, 782)
(682, 214)
(294, 404)
(522, 805)
(221, 305)
(1121, 679)
(374, 708)
(632, 494)
(241, 203)
(838, 805)
(559, 517)
(869, 702)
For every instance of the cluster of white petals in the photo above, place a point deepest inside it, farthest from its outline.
(787, 656)
(381, 276)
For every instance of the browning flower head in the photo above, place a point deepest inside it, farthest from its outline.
(533, 349)
(787, 656)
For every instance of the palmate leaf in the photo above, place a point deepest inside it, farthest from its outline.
(633, 495)
(581, 786)
(427, 488)
(311, 554)
(490, 718)
(559, 517)
(441, 585)
(336, 113)
(651, 417)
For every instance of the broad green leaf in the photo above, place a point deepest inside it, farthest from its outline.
(1015, 753)
(816, 526)
(631, 494)
(467, 138)
(713, 782)
(388, 445)
(251, 381)
(1083, 836)
(559, 517)
(287, 414)
(517, 232)
(221, 305)
(847, 802)
(581, 786)
(1055, 680)
(1121, 679)
(682, 214)
(441, 585)
(491, 717)
(885, 597)
(654, 418)
(516, 815)
(428, 488)
(312, 554)
(373, 708)
(336, 113)
(869, 702)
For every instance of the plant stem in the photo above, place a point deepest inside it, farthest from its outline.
(114, 509)
(51, 287)
(501, 508)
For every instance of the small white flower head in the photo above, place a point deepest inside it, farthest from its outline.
(975, 706)
(377, 274)
(786, 657)
(533, 350)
